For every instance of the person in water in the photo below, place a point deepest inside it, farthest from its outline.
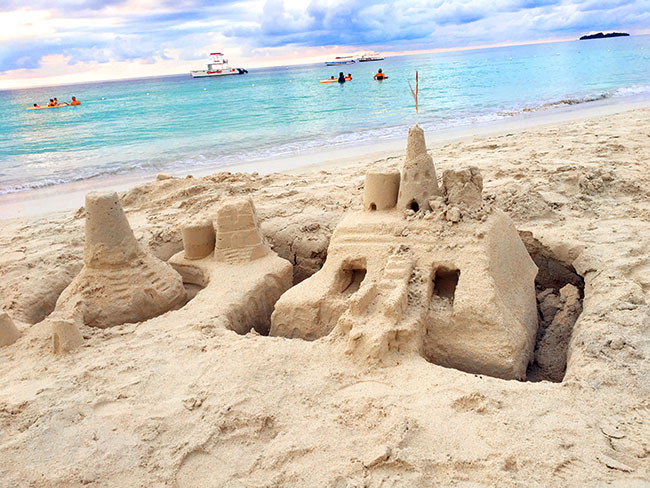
(349, 77)
(341, 77)
(75, 101)
(51, 103)
(380, 75)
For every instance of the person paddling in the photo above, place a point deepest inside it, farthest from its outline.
(380, 75)
(341, 77)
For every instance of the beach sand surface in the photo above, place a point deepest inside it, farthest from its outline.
(178, 400)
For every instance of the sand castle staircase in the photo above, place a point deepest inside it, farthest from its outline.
(241, 276)
(378, 325)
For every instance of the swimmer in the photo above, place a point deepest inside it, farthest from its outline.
(380, 75)
(75, 101)
(341, 77)
(349, 77)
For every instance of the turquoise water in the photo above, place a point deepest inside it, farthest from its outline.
(177, 123)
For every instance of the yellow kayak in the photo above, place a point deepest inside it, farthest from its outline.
(45, 106)
(334, 81)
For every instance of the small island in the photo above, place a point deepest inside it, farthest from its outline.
(604, 35)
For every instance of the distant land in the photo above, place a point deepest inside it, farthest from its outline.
(603, 35)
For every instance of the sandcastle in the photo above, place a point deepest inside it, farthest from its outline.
(422, 270)
(120, 281)
(8, 331)
(241, 276)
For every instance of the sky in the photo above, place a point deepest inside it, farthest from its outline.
(46, 42)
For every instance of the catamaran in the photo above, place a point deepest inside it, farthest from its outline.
(339, 60)
(218, 66)
(371, 56)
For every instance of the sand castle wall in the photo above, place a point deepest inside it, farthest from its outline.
(241, 277)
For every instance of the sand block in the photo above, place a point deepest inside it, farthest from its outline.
(66, 337)
(241, 276)
(419, 181)
(8, 331)
(463, 187)
(460, 295)
(120, 281)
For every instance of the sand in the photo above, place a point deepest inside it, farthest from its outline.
(179, 400)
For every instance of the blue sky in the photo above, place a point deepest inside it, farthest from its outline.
(97, 39)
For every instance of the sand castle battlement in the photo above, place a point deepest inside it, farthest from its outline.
(423, 270)
(241, 276)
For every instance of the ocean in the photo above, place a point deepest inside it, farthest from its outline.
(177, 124)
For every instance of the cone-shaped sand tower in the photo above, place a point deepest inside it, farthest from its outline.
(120, 281)
(241, 276)
(454, 284)
(8, 331)
(419, 182)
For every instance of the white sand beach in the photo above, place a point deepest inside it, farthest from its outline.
(181, 400)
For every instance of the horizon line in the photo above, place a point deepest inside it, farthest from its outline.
(349, 48)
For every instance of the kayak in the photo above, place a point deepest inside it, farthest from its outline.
(334, 81)
(53, 106)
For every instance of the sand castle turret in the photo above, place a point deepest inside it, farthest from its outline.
(120, 281)
(241, 276)
(459, 292)
(381, 191)
(419, 182)
(8, 331)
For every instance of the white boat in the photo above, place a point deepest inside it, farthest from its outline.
(339, 60)
(218, 66)
(372, 56)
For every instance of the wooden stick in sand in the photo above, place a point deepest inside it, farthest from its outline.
(415, 93)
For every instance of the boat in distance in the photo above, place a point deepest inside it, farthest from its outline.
(340, 60)
(218, 66)
(372, 56)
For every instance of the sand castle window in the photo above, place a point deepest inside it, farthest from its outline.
(351, 278)
(445, 282)
(414, 206)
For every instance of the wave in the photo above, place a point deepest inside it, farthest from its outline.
(629, 91)
(206, 158)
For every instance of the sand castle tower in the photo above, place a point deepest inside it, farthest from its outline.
(120, 281)
(419, 182)
(459, 292)
(8, 331)
(234, 265)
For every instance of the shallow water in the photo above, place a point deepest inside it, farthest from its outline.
(177, 123)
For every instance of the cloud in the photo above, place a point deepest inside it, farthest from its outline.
(147, 31)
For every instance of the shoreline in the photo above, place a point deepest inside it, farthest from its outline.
(68, 196)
